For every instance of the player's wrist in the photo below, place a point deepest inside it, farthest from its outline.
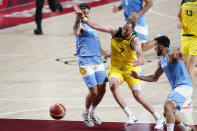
(84, 19)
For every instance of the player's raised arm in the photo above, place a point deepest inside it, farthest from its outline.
(77, 26)
(108, 29)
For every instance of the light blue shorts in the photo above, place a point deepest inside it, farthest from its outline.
(181, 96)
(142, 33)
(92, 70)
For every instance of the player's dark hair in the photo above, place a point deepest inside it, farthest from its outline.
(163, 40)
(84, 6)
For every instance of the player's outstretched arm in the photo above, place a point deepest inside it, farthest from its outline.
(107, 29)
(149, 78)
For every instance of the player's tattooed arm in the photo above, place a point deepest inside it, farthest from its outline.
(149, 78)
(77, 26)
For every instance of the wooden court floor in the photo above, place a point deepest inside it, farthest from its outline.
(31, 78)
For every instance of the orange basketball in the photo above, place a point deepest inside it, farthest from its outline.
(57, 111)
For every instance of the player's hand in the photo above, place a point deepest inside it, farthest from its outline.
(175, 56)
(79, 14)
(137, 62)
(105, 56)
(134, 74)
(179, 25)
(135, 16)
(115, 9)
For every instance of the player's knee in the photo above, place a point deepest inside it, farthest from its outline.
(113, 87)
(102, 90)
(164, 114)
(168, 107)
(137, 95)
(93, 93)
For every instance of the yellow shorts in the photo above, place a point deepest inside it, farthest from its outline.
(189, 45)
(123, 74)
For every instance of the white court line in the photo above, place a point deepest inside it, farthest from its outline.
(69, 99)
(20, 111)
(47, 108)
(161, 14)
(12, 54)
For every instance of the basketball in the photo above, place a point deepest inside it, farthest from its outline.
(57, 111)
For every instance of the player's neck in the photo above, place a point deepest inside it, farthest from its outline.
(165, 51)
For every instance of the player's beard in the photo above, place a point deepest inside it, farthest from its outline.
(159, 52)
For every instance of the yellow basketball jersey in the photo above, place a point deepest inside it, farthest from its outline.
(121, 51)
(189, 18)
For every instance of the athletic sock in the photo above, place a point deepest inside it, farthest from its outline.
(86, 110)
(92, 108)
(156, 115)
(170, 127)
(127, 111)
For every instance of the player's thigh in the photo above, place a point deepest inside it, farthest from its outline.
(134, 84)
(100, 73)
(181, 96)
(116, 73)
(185, 45)
(88, 75)
(192, 45)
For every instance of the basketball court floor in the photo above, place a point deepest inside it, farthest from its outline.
(38, 71)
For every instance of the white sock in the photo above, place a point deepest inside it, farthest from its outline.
(183, 126)
(170, 127)
(156, 115)
(86, 110)
(92, 108)
(127, 111)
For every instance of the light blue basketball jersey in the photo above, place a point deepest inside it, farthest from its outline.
(88, 43)
(176, 73)
(131, 6)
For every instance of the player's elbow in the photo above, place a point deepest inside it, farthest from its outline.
(155, 79)
(150, 3)
(77, 33)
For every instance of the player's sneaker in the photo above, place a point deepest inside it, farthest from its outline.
(95, 119)
(132, 119)
(159, 124)
(187, 106)
(87, 121)
(189, 128)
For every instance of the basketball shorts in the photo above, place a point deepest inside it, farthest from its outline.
(93, 74)
(142, 33)
(181, 96)
(123, 74)
(189, 45)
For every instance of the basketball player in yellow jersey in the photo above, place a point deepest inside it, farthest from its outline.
(188, 23)
(126, 55)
